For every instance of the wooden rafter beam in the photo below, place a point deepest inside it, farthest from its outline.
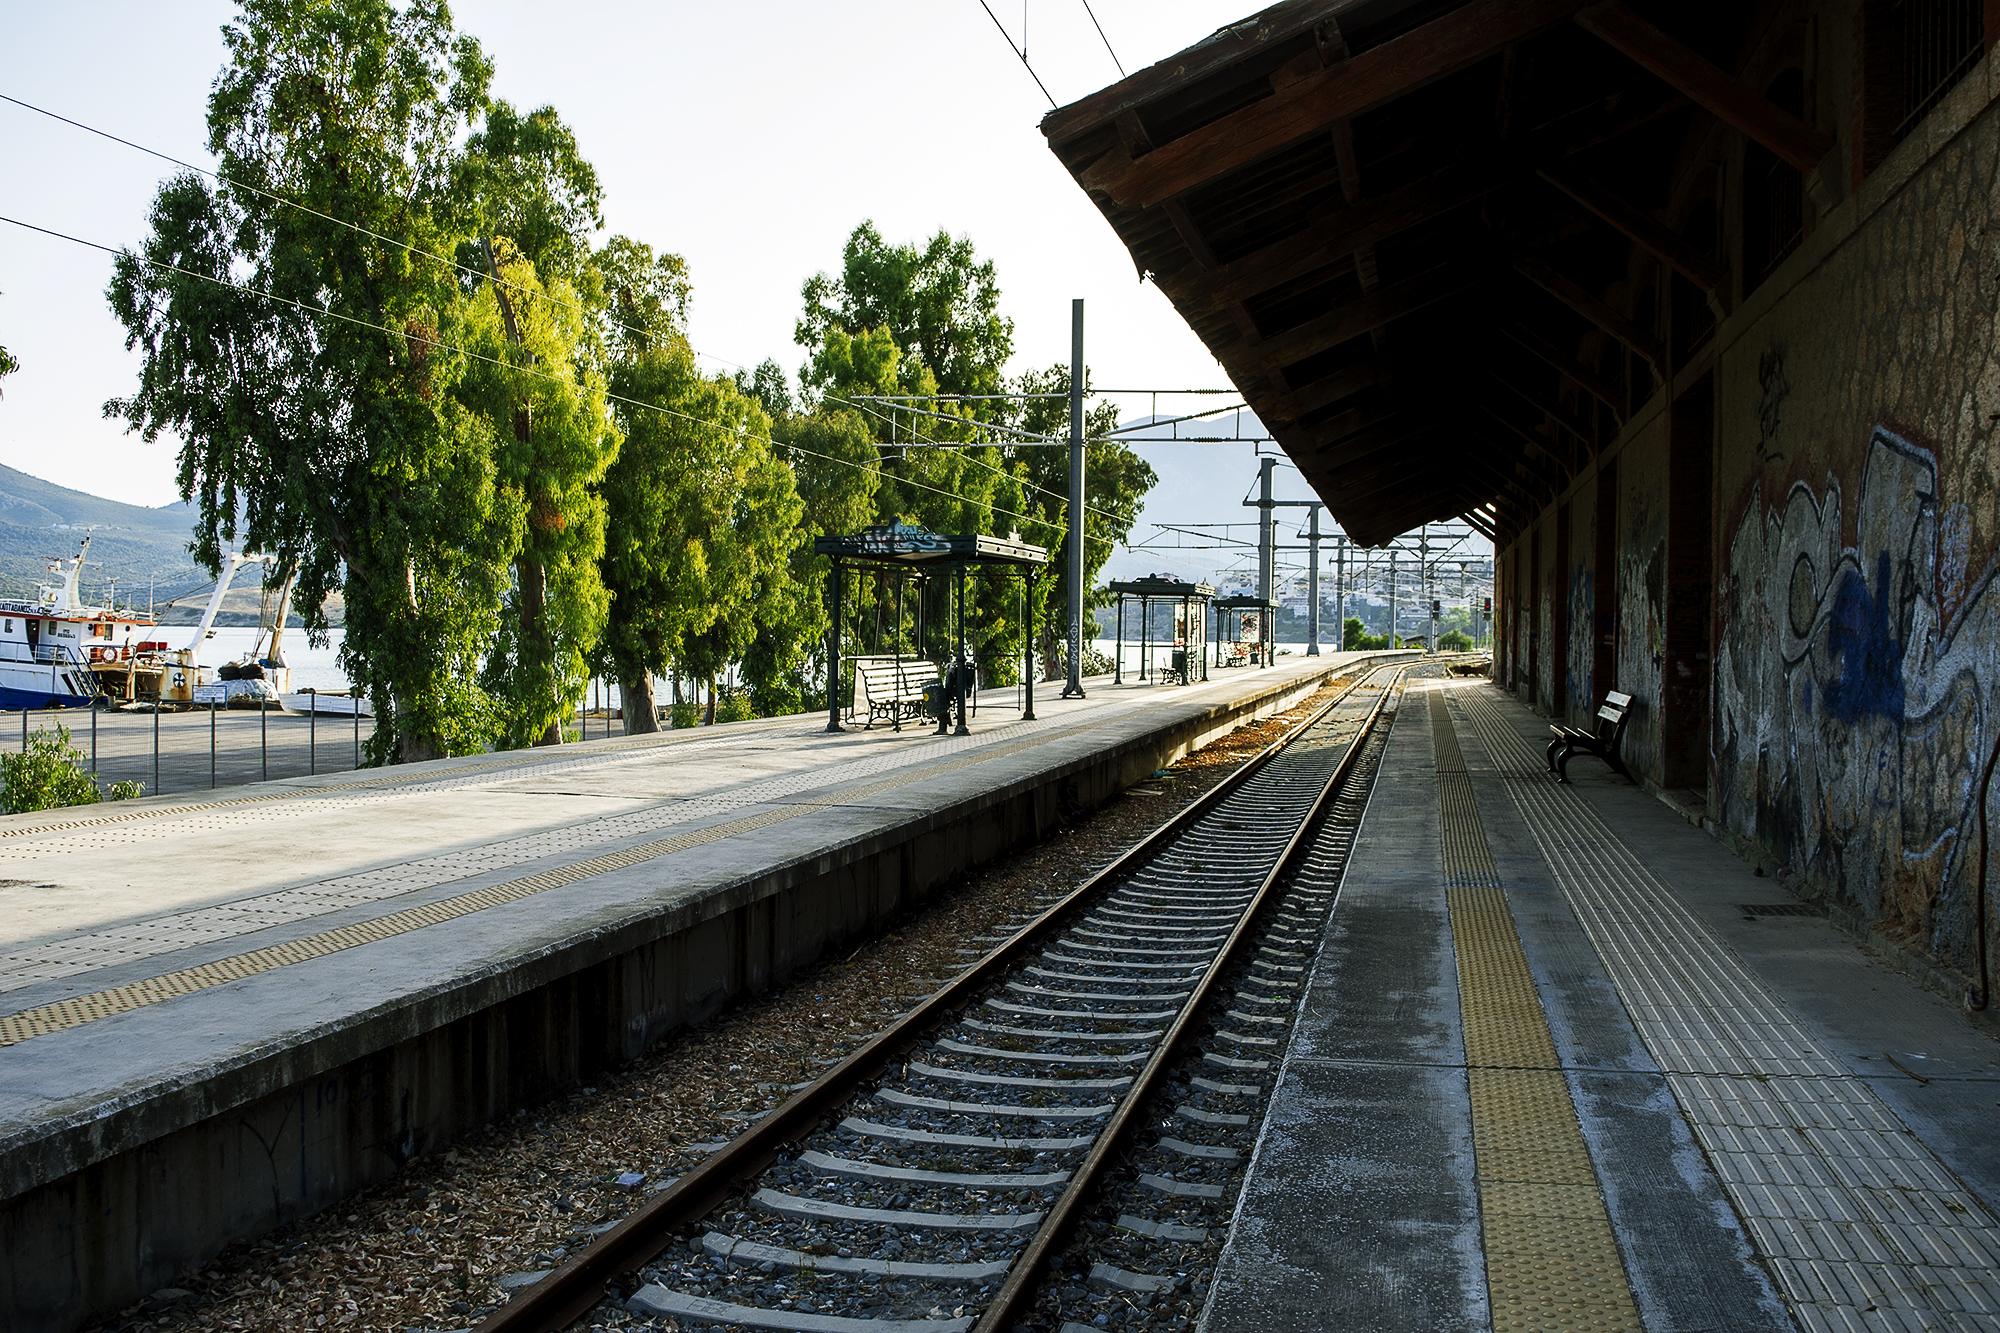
(1337, 232)
(1687, 72)
(1309, 105)
(1595, 310)
(1325, 392)
(1642, 230)
(1604, 390)
(1478, 523)
(1550, 410)
(1544, 448)
(1376, 310)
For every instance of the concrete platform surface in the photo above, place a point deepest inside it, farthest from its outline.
(1777, 1131)
(303, 983)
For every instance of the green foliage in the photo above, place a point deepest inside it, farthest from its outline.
(938, 304)
(684, 715)
(768, 385)
(342, 444)
(1455, 641)
(1354, 636)
(49, 773)
(704, 514)
(733, 705)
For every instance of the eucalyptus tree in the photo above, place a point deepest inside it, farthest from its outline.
(318, 409)
(704, 514)
(538, 204)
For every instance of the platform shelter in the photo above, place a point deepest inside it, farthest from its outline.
(908, 552)
(1189, 660)
(1235, 618)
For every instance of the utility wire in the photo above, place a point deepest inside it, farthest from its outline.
(322, 312)
(1106, 40)
(1019, 51)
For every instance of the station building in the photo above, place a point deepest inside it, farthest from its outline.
(1691, 309)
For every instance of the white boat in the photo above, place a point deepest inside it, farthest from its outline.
(52, 648)
(342, 704)
(150, 670)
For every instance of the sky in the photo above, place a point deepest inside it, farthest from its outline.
(749, 138)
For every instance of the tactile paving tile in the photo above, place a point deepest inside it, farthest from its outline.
(90, 953)
(1551, 1260)
(1860, 1223)
(1468, 860)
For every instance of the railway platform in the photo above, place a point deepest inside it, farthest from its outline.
(219, 1014)
(1563, 1062)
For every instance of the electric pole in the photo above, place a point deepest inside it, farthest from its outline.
(1392, 597)
(1312, 582)
(1073, 576)
(1340, 589)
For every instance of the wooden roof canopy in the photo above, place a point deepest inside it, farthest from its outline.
(1426, 238)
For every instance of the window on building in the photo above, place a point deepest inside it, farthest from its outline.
(1913, 52)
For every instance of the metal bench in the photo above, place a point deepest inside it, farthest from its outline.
(1601, 740)
(891, 690)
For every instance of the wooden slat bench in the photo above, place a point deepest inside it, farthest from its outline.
(1602, 740)
(891, 690)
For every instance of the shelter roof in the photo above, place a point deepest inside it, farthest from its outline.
(1430, 240)
(1244, 601)
(908, 545)
(1162, 585)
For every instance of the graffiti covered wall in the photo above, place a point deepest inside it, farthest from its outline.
(1857, 626)
(1859, 665)
(1642, 593)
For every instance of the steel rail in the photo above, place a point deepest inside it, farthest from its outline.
(576, 1285)
(1011, 1302)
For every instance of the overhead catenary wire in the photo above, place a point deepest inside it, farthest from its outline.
(1106, 40)
(322, 312)
(1020, 51)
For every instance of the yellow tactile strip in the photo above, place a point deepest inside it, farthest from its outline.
(80, 1009)
(1551, 1260)
(1468, 860)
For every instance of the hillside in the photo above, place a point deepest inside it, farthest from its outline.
(131, 546)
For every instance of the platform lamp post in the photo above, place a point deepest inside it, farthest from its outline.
(1073, 574)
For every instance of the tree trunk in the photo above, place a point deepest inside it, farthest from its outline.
(642, 715)
(709, 716)
(534, 633)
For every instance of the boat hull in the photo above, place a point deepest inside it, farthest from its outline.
(14, 697)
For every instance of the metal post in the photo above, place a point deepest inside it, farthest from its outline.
(1073, 576)
(1267, 574)
(1340, 588)
(312, 732)
(896, 646)
(1312, 582)
(263, 740)
(959, 616)
(1392, 598)
(1429, 591)
(93, 738)
(833, 652)
(211, 743)
(24, 731)
(354, 699)
(1118, 646)
(1028, 675)
(156, 747)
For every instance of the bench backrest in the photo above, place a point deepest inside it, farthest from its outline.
(883, 679)
(1612, 714)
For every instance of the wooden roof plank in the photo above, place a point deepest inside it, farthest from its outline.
(1307, 106)
(1687, 72)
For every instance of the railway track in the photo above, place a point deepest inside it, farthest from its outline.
(930, 1181)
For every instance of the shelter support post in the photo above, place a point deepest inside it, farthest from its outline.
(833, 649)
(1028, 665)
(1073, 573)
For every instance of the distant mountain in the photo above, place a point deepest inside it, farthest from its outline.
(130, 545)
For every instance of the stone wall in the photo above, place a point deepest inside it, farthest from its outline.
(1856, 515)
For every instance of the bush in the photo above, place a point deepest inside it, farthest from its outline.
(1454, 641)
(684, 715)
(50, 773)
(733, 706)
